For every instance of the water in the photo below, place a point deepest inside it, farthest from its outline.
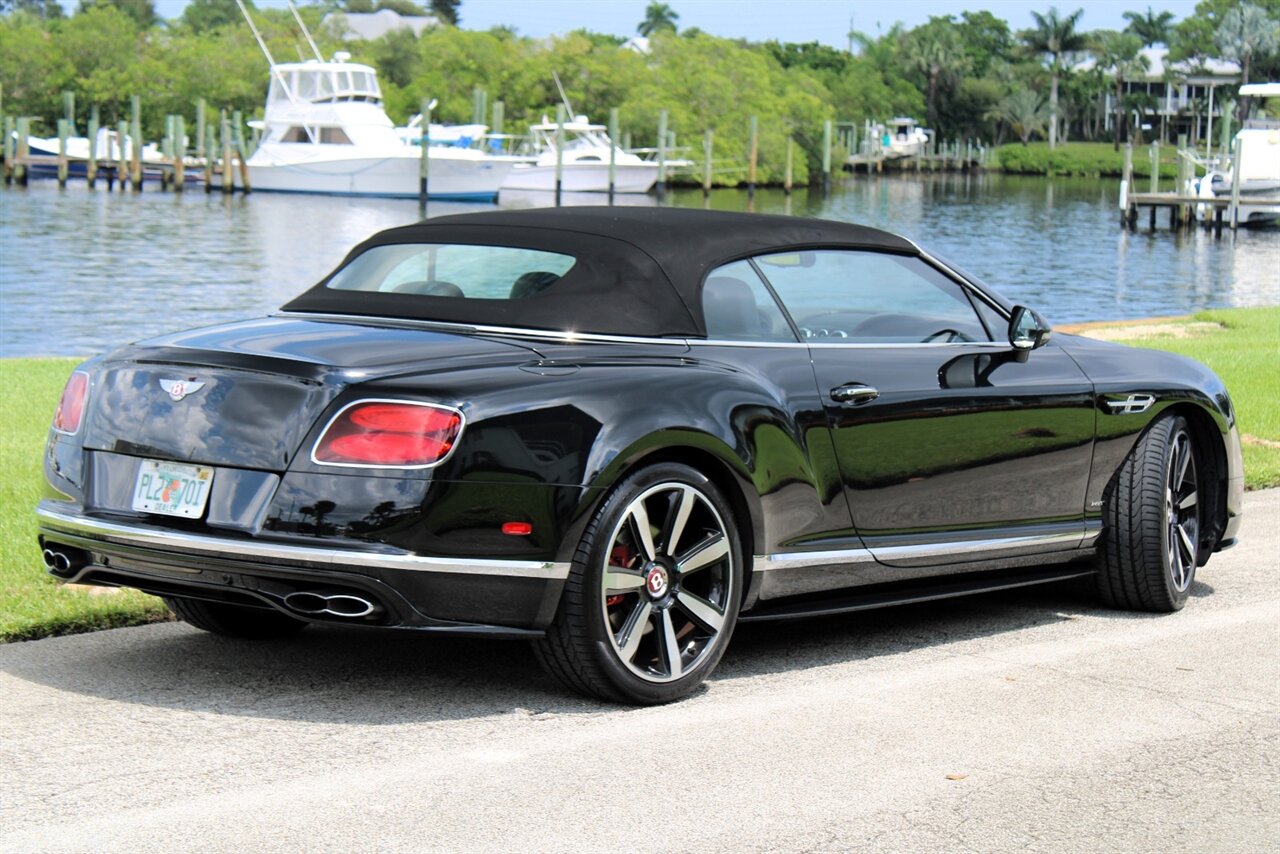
(83, 271)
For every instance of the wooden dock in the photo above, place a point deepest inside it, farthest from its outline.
(1183, 206)
(1182, 209)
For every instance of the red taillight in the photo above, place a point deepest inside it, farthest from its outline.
(71, 405)
(386, 433)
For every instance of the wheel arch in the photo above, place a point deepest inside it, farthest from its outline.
(1211, 450)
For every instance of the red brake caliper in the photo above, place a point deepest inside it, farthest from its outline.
(620, 556)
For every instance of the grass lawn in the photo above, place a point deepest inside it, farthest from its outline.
(1241, 345)
(31, 603)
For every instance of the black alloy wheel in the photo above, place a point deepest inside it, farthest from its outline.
(653, 596)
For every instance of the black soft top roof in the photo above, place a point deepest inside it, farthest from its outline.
(639, 270)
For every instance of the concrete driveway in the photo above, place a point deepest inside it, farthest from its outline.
(1026, 720)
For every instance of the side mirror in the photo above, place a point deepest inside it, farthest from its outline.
(1027, 330)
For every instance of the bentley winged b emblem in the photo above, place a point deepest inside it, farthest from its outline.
(178, 389)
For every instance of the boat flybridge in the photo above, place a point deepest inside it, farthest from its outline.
(1259, 168)
(584, 161)
(325, 131)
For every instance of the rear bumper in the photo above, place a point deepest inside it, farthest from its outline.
(446, 594)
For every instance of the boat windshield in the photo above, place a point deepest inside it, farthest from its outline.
(324, 84)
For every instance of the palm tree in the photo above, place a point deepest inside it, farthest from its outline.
(938, 54)
(1121, 54)
(657, 16)
(1246, 31)
(1151, 28)
(1052, 37)
(1022, 110)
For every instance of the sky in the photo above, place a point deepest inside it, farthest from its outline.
(826, 21)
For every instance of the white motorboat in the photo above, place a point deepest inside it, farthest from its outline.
(904, 138)
(1259, 153)
(325, 131)
(455, 136)
(584, 166)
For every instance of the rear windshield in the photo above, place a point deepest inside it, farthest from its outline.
(453, 270)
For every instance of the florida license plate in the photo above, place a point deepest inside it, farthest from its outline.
(173, 489)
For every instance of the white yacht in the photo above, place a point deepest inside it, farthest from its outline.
(904, 138)
(1259, 141)
(325, 131)
(584, 162)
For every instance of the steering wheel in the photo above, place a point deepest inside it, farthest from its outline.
(953, 335)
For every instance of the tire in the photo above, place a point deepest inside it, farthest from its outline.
(237, 621)
(1152, 520)
(654, 624)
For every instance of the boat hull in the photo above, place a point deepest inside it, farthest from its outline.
(584, 178)
(385, 177)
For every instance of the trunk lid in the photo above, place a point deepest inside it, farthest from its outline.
(246, 394)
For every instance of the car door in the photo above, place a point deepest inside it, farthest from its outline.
(952, 446)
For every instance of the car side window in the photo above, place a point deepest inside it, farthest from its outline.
(738, 307)
(858, 297)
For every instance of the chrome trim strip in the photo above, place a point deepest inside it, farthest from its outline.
(140, 536)
(513, 331)
(799, 560)
(592, 337)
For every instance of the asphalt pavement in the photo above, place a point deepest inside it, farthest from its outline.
(1027, 720)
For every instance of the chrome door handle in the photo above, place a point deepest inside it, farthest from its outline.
(854, 393)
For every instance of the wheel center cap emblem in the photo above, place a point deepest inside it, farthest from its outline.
(656, 582)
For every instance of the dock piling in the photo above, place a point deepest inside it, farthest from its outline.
(613, 151)
(122, 140)
(9, 149)
(228, 173)
(242, 155)
(135, 133)
(754, 154)
(826, 157)
(23, 152)
(91, 167)
(62, 153)
(560, 114)
(662, 153)
(707, 140)
(179, 153)
(786, 180)
(424, 160)
(1235, 183)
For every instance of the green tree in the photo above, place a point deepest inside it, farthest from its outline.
(657, 17)
(935, 50)
(204, 15)
(143, 12)
(446, 11)
(1053, 37)
(402, 7)
(1121, 55)
(1246, 31)
(47, 9)
(1153, 29)
(1024, 112)
(395, 55)
(986, 40)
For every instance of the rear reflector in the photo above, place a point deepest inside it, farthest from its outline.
(517, 529)
(71, 405)
(389, 433)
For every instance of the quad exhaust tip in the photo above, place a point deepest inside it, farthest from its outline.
(314, 604)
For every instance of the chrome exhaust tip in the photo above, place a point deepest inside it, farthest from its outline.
(313, 604)
(48, 556)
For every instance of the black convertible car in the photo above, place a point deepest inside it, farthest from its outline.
(617, 433)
